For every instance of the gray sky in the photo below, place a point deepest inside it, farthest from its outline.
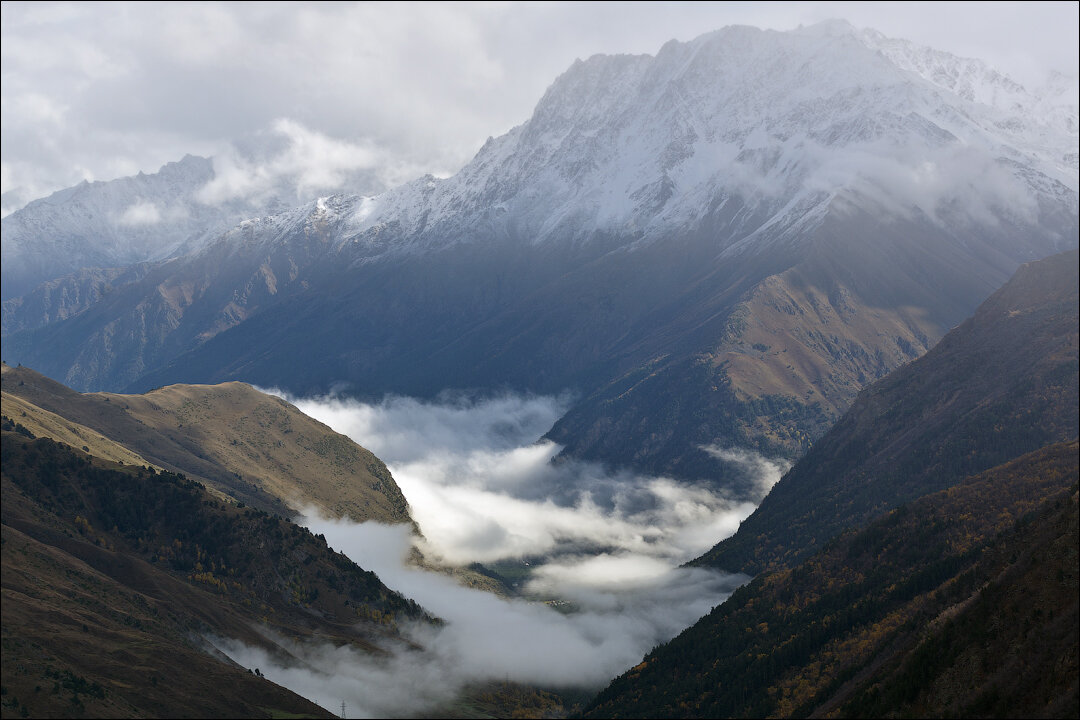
(98, 91)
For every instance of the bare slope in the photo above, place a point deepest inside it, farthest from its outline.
(248, 445)
(43, 423)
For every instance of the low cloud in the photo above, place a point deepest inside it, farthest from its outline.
(483, 488)
(140, 213)
(959, 181)
(608, 626)
(600, 555)
(292, 163)
(401, 683)
(764, 471)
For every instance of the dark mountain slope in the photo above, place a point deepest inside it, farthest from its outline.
(117, 579)
(1002, 383)
(962, 603)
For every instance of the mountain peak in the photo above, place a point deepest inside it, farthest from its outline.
(637, 146)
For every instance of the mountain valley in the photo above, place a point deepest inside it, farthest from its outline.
(921, 558)
(745, 373)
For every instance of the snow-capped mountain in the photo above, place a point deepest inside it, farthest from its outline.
(642, 146)
(110, 224)
(173, 212)
(716, 245)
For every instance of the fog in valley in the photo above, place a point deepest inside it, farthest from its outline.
(596, 555)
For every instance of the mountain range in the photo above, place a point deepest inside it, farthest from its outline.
(824, 245)
(921, 558)
(715, 246)
(101, 228)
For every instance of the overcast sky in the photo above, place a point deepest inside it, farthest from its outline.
(98, 91)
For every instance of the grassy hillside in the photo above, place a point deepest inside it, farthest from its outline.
(244, 444)
(116, 577)
(43, 423)
(963, 603)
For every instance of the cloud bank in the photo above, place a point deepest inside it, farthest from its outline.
(292, 163)
(483, 488)
(599, 555)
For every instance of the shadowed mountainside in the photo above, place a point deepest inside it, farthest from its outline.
(922, 558)
(1001, 384)
(118, 579)
(963, 603)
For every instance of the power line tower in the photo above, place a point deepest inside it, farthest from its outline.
(342, 710)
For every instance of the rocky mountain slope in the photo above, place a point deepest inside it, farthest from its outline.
(737, 233)
(1001, 384)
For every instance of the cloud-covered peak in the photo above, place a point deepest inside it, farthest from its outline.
(641, 146)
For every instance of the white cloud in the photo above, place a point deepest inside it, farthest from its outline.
(288, 160)
(485, 638)
(142, 212)
(483, 487)
(765, 472)
(605, 551)
(35, 107)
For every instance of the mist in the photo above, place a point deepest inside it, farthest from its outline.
(598, 556)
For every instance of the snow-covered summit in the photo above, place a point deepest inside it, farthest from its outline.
(777, 123)
(749, 135)
(104, 224)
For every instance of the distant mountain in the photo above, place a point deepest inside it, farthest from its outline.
(243, 444)
(98, 229)
(1003, 383)
(714, 246)
(110, 224)
(963, 603)
(118, 580)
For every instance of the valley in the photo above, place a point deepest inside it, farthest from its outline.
(738, 379)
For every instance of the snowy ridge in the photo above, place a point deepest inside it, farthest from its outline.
(642, 146)
(122, 213)
(748, 134)
(1042, 121)
(173, 212)
(115, 223)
